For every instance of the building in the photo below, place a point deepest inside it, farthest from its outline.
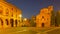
(9, 15)
(43, 19)
(26, 22)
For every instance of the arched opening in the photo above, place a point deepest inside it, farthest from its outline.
(16, 23)
(1, 21)
(42, 24)
(12, 22)
(7, 22)
(42, 16)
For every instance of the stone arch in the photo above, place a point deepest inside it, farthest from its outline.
(12, 22)
(16, 22)
(7, 22)
(1, 21)
(43, 24)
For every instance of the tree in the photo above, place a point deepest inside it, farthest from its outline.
(57, 18)
(53, 18)
(32, 21)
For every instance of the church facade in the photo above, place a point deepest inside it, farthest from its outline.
(43, 19)
(9, 15)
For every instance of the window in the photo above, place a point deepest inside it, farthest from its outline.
(16, 13)
(16, 10)
(42, 16)
(43, 19)
(47, 18)
(12, 12)
(7, 12)
(12, 9)
(1, 9)
(12, 15)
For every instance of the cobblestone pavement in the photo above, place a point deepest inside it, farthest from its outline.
(29, 30)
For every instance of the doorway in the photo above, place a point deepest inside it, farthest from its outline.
(7, 22)
(16, 23)
(1, 21)
(42, 24)
(12, 22)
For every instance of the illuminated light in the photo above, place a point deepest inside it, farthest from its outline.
(25, 19)
(20, 15)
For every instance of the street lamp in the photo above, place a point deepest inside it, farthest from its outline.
(25, 19)
(20, 15)
(21, 20)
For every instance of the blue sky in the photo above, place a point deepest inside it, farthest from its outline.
(32, 7)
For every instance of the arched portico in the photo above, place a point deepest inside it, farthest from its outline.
(12, 22)
(1, 22)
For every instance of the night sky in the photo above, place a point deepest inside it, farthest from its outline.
(32, 7)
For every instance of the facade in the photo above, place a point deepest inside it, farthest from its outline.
(9, 15)
(26, 22)
(43, 19)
